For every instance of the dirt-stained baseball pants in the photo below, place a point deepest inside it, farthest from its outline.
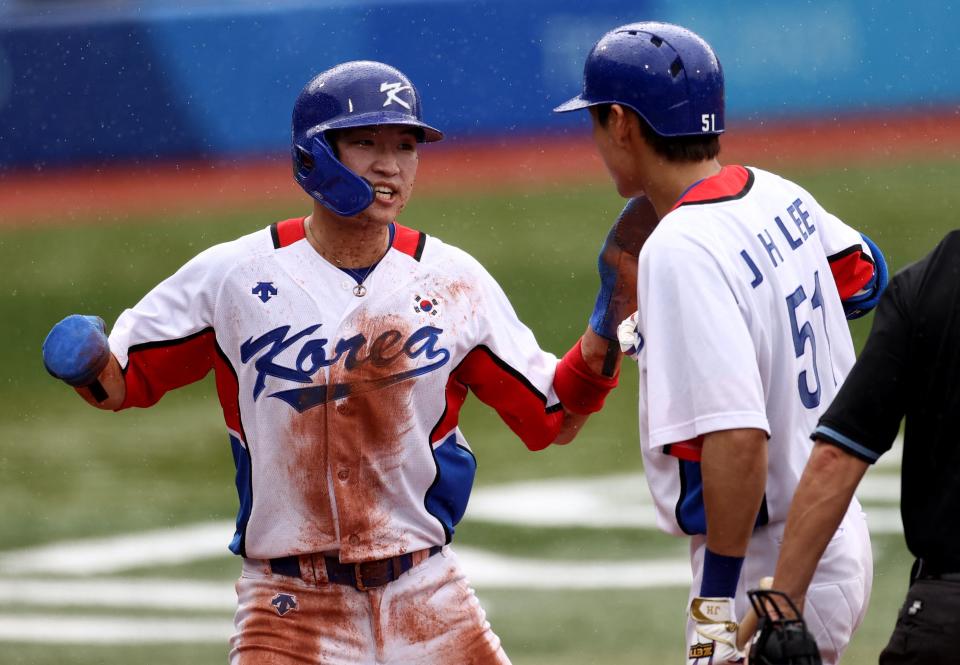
(427, 616)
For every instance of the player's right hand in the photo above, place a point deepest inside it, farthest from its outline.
(712, 634)
(76, 349)
(629, 337)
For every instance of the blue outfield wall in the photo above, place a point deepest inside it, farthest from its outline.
(87, 83)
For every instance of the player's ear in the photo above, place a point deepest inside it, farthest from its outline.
(621, 123)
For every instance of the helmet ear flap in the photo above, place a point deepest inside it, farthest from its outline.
(302, 162)
(328, 181)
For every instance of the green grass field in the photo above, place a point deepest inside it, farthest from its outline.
(68, 471)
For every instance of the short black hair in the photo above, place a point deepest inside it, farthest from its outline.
(333, 134)
(695, 148)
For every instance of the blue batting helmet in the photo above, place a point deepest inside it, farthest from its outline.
(354, 94)
(667, 74)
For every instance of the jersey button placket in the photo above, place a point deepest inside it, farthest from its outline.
(345, 458)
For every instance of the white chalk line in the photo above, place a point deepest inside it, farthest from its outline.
(620, 501)
(486, 571)
(59, 629)
(617, 501)
(136, 593)
(163, 547)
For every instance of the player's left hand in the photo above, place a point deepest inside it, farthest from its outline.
(712, 636)
(76, 349)
(617, 265)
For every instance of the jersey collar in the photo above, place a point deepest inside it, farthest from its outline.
(733, 182)
(408, 241)
(402, 239)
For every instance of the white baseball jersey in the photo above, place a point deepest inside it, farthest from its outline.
(739, 300)
(342, 410)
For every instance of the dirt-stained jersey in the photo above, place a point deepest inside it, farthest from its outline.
(342, 411)
(742, 326)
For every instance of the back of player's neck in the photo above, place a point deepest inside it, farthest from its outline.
(673, 179)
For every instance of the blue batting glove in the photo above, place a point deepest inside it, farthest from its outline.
(603, 319)
(617, 266)
(76, 349)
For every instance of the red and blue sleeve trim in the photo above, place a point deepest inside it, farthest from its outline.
(733, 182)
(287, 232)
(521, 406)
(861, 278)
(691, 450)
(154, 368)
(852, 270)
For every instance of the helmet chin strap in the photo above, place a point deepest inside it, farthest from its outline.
(332, 184)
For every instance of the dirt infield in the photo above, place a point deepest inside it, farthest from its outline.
(107, 193)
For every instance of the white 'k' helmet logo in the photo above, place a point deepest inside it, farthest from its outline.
(392, 89)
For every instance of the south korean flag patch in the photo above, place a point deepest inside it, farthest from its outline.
(425, 305)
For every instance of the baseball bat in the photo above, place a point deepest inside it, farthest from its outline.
(748, 626)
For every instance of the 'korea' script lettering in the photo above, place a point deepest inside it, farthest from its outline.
(354, 352)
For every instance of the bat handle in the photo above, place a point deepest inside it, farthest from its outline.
(748, 625)
(97, 390)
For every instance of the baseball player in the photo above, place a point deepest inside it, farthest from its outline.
(740, 334)
(343, 346)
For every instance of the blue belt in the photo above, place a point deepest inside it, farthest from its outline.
(361, 575)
